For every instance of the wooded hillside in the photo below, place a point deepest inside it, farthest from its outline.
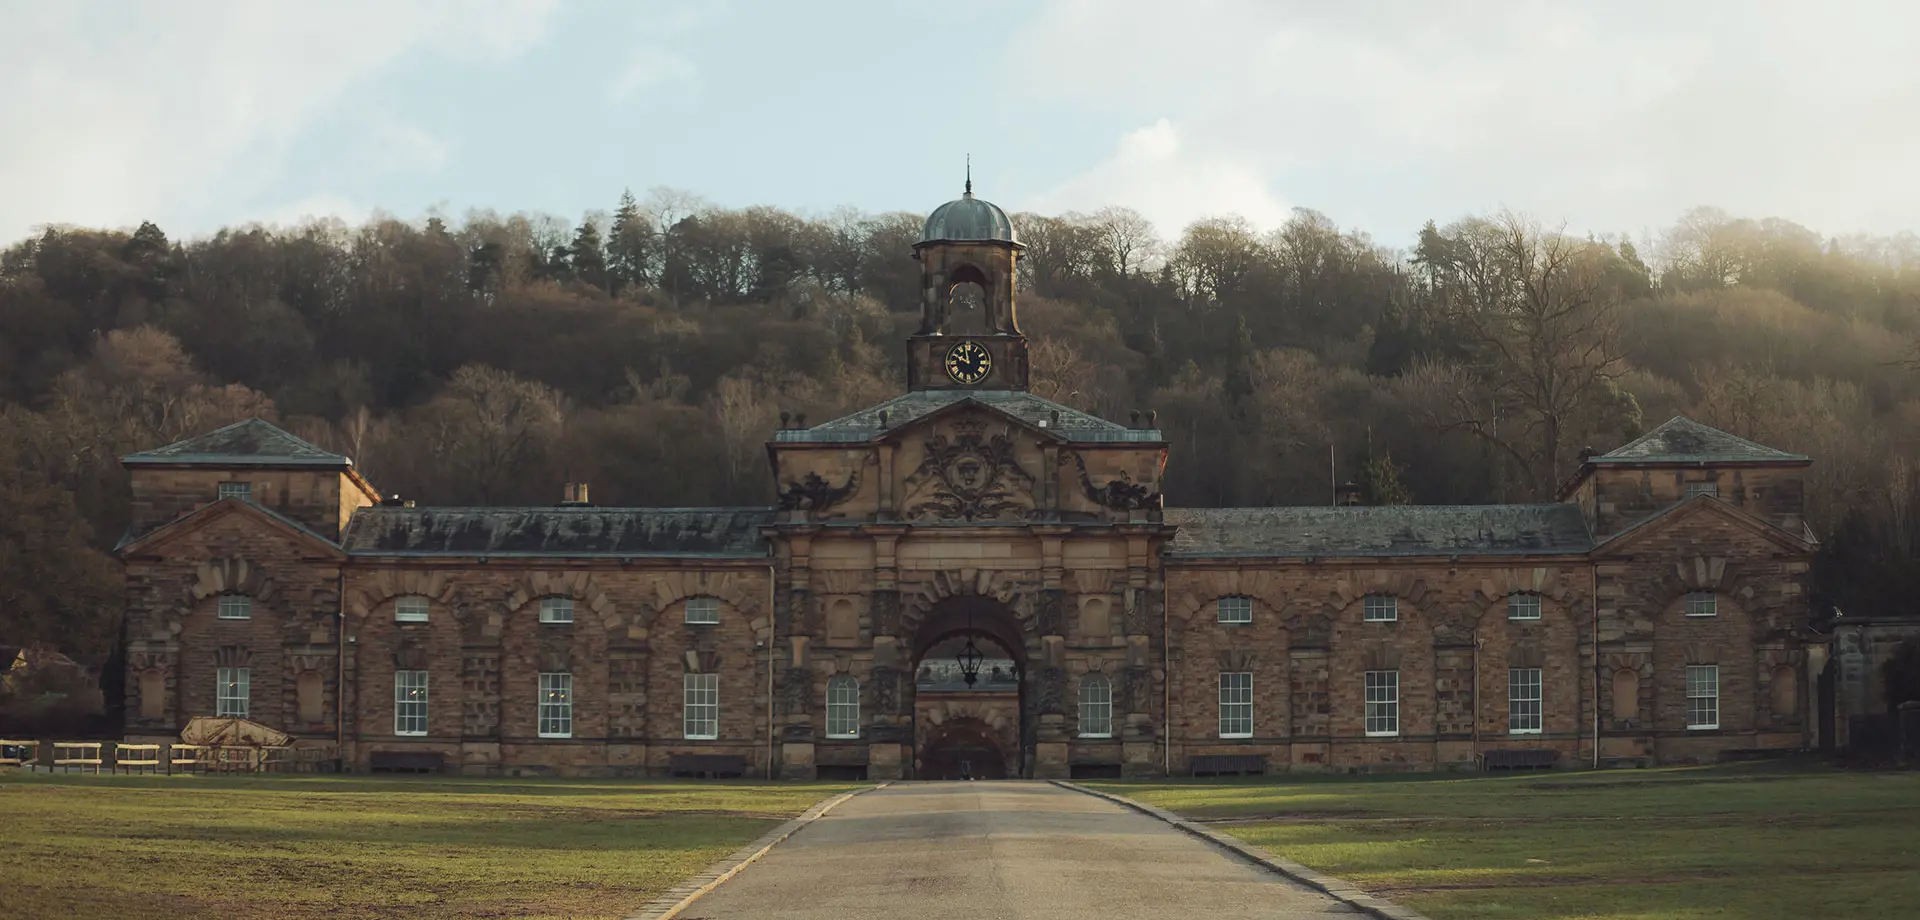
(650, 351)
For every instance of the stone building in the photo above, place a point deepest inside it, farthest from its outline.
(1653, 614)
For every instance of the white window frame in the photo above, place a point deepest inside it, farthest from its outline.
(1096, 706)
(703, 610)
(555, 609)
(409, 703)
(1703, 685)
(1701, 488)
(235, 489)
(1702, 604)
(1380, 608)
(411, 609)
(1523, 605)
(1382, 689)
(700, 706)
(843, 706)
(233, 693)
(1526, 709)
(555, 705)
(1236, 704)
(235, 607)
(1234, 609)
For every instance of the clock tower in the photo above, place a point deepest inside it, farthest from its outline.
(969, 336)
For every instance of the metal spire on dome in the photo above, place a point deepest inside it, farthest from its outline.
(969, 176)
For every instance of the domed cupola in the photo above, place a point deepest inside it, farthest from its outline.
(969, 336)
(968, 220)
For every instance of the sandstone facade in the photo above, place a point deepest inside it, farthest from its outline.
(1656, 614)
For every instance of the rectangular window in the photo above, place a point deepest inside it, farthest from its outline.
(1382, 608)
(1702, 488)
(1383, 703)
(703, 611)
(1235, 609)
(1702, 604)
(843, 707)
(1703, 696)
(556, 610)
(1236, 704)
(236, 607)
(1096, 706)
(1523, 606)
(410, 610)
(701, 709)
(556, 706)
(1523, 701)
(409, 702)
(231, 700)
(240, 490)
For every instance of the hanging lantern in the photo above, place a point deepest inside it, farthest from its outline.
(970, 659)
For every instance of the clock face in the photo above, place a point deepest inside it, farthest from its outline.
(968, 362)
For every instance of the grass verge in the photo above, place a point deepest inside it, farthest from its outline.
(1751, 842)
(351, 847)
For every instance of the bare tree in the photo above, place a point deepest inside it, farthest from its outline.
(1124, 239)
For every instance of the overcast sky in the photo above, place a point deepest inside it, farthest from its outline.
(1611, 117)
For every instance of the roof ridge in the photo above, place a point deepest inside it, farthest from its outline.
(296, 449)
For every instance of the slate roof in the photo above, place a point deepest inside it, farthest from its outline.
(1683, 440)
(1394, 530)
(906, 408)
(251, 442)
(580, 531)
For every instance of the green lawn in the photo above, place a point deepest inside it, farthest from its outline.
(1754, 842)
(350, 847)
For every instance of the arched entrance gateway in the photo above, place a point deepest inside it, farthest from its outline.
(968, 509)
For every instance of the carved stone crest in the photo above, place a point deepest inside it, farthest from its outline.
(1121, 494)
(814, 494)
(886, 690)
(969, 477)
(798, 689)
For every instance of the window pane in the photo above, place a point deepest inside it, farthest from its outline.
(1235, 609)
(556, 610)
(1382, 608)
(1702, 488)
(1523, 701)
(1523, 606)
(235, 607)
(410, 610)
(556, 705)
(1096, 707)
(409, 702)
(702, 706)
(703, 610)
(1703, 696)
(843, 707)
(232, 699)
(1702, 604)
(239, 490)
(1383, 702)
(1236, 704)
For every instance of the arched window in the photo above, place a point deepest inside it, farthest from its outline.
(843, 707)
(1096, 706)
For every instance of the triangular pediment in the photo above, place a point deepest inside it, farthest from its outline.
(1704, 512)
(1683, 440)
(229, 510)
(1057, 422)
(249, 442)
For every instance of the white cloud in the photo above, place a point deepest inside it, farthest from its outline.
(115, 114)
(651, 61)
(1156, 172)
(1611, 118)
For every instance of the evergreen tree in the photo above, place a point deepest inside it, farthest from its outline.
(588, 259)
(1240, 351)
(629, 246)
(1380, 484)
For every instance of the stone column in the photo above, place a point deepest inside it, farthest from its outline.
(796, 684)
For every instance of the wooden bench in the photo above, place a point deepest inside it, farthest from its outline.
(707, 766)
(1519, 759)
(407, 762)
(1227, 765)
